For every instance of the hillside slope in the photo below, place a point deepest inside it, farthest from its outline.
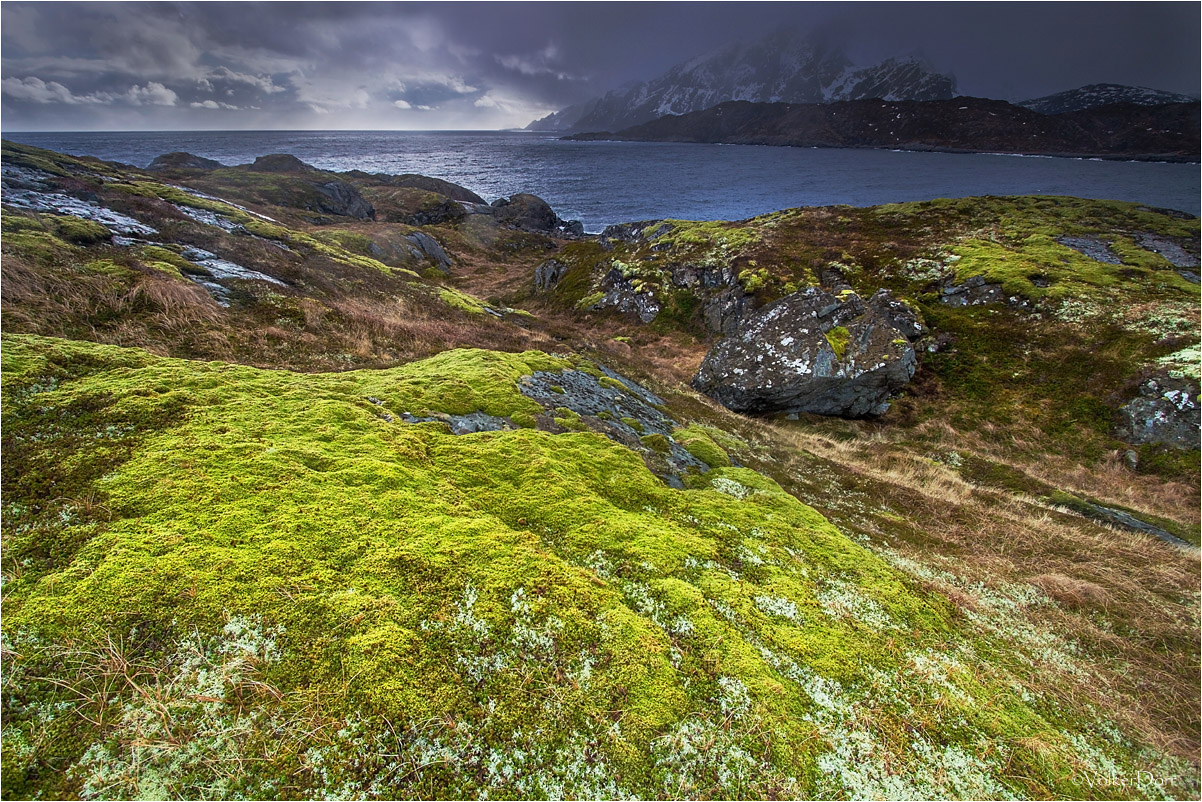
(504, 549)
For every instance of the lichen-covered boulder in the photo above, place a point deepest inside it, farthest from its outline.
(1166, 412)
(813, 351)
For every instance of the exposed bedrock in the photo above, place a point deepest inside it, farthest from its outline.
(816, 352)
(1165, 412)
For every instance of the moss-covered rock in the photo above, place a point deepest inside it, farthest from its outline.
(514, 611)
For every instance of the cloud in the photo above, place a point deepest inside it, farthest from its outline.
(211, 104)
(477, 65)
(540, 63)
(153, 94)
(264, 83)
(35, 90)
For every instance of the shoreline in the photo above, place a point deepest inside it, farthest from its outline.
(1151, 158)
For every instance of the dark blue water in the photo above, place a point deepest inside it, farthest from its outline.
(609, 182)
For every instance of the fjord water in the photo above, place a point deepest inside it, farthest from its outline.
(601, 183)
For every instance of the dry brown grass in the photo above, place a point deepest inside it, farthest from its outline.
(1130, 602)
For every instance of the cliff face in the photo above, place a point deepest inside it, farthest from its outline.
(1168, 132)
(782, 68)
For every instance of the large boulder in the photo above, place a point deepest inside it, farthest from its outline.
(527, 212)
(429, 248)
(340, 198)
(1166, 412)
(531, 213)
(179, 160)
(816, 352)
(281, 163)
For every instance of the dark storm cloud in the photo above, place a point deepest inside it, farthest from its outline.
(482, 65)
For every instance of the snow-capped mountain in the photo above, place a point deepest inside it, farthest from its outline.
(781, 68)
(1094, 95)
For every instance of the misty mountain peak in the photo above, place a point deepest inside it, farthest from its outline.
(783, 67)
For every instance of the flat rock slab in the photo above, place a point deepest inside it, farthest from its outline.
(1094, 248)
(1170, 250)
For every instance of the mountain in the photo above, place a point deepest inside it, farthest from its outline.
(1094, 95)
(295, 509)
(781, 68)
(1159, 133)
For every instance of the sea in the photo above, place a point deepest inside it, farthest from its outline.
(601, 183)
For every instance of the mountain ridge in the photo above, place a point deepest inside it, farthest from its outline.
(1123, 131)
(1095, 95)
(780, 68)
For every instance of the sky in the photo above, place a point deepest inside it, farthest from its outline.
(468, 66)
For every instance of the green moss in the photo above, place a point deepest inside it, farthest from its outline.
(613, 384)
(461, 301)
(633, 423)
(589, 301)
(570, 420)
(41, 247)
(352, 241)
(524, 419)
(107, 267)
(838, 338)
(78, 231)
(727, 237)
(696, 439)
(263, 547)
(166, 260)
(656, 442)
(11, 223)
(305, 241)
(58, 164)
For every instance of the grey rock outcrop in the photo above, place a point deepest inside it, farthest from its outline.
(179, 160)
(531, 213)
(1095, 248)
(281, 163)
(814, 352)
(1165, 412)
(548, 274)
(975, 291)
(341, 198)
(429, 248)
(621, 294)
(525, 211)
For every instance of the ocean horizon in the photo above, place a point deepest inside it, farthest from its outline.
(607, 182)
